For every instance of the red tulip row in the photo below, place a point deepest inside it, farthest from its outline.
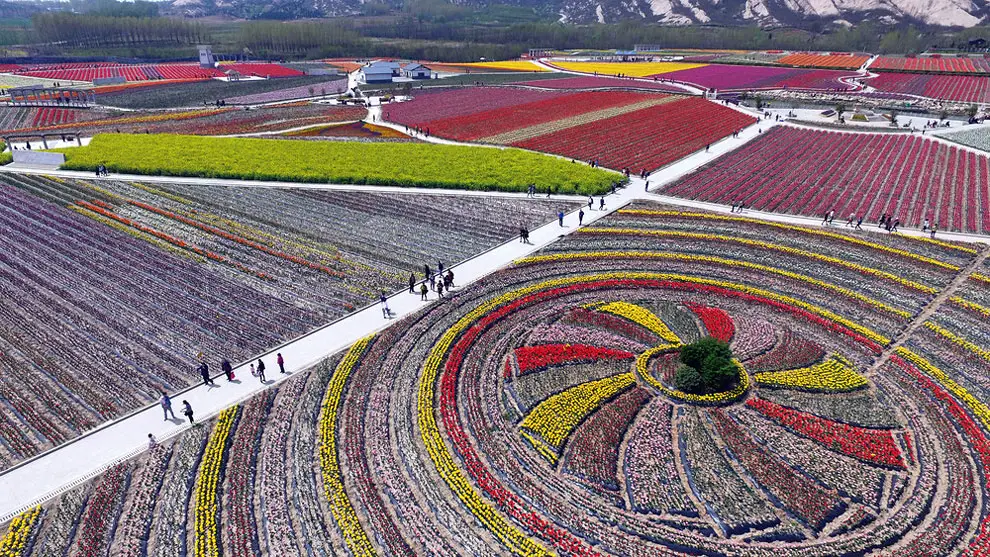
(874, 446)
(648, 138)
(532, 358)
(932, 64)
(718, 323)
(471, 127)
(906, 176)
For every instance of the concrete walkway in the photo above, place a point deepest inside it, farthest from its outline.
(65, 467)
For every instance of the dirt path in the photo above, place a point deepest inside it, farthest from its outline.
(931, 308)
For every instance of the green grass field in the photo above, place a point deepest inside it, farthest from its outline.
(390, 164)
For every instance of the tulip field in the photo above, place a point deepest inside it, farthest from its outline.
(201, 121)
(535, 414)
(112, 289)
(812, 172)
(619, 129)
(959, 88)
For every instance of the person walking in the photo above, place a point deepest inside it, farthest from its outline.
(525, 235)
(412, 283)
(260, 370)
(580, 217)
(897, 222)
(433, 282)
(859, 224)
(426, 272)
(166, 403)
(448, 281)
(386, 312)
(825, 219)
(227, 369)
(204, 372)
(422, 292)
(934, 229)
(560, 218)
(852, 218)
(591, 201)
(925, 226)
(882, 221)
(281, 362)
(439, 267)
(601, 203)
(152, 442)
(188, 411)
(440, 289)
(646, 188)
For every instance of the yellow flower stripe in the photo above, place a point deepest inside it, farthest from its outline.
(642, 370)
(552, 421)
(972, 306)
(806, 230)
(766, 245)
(721, 261)
(642, 317)
(517, 65)
(333, 478)
(514, 539)
(835, 374)
(15, 540)
(207, 487)
(980, 277)
(959, 341)
(980, 410)
(635, 69)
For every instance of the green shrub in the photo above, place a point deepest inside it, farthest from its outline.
(707, 367)
(389, 164)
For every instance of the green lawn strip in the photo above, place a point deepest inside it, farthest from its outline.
(387, 164)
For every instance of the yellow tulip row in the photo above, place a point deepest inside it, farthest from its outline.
(207, 487)
(642, 369)
(812, 231)
(333, 479)
(552, 421)
(642, 317)
(767, 245)
(959, 341)
(972, 306)
(977, 407)
(720, 261)
(18, 533)
(512, 537)
(835, 374)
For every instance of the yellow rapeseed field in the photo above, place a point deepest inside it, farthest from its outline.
(632, 69)
(516, 65)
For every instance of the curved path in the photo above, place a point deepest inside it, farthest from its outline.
(62, 468)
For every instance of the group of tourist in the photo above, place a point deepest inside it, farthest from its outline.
(438, 281)
(165, 401)
(101, 170)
